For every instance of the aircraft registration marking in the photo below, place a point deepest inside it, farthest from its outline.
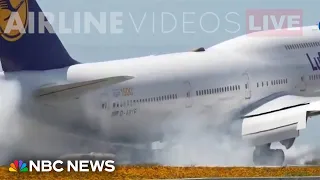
(128, 112)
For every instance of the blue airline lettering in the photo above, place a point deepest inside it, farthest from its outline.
(316, 60)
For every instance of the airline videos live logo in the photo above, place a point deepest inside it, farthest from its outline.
(284, 22)
(60, 166)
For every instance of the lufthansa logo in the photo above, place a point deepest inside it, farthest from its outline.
(8, 8)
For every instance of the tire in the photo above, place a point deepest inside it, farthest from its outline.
(278, 157)
(268, 157)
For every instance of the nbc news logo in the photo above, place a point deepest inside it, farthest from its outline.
(18, 166)
(57, 166)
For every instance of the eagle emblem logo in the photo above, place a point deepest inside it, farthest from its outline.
(9, 8)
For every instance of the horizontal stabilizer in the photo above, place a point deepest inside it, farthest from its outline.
(74, 90)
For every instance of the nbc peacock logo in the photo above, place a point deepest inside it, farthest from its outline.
(18, 166)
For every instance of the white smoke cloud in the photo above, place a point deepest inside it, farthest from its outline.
(22, 135)
(194, 143)
(10, 130)
(194, 140)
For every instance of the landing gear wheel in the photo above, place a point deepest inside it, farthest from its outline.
(278, 157)
(268, 157)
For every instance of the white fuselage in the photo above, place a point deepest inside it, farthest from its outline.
(225, 79)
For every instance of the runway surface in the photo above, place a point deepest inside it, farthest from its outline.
(270, 178)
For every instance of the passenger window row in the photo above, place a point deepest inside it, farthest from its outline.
(272, 82)
(302, 45)
(217, 90)
(129, 103)
(314, 77)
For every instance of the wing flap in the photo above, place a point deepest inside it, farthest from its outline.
(265, 122)
(76, 89)
(279, 119)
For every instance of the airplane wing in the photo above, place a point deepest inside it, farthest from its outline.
(279, 119)
(75, 89)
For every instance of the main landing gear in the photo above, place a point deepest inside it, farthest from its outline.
(264, 156)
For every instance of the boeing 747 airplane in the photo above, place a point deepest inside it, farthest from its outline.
(271, 83)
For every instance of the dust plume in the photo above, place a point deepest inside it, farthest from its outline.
(307, 146)
(193, 138)
(94, 116)
(21, 136)
(203, 140)
(24, 134)
(10, 130)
